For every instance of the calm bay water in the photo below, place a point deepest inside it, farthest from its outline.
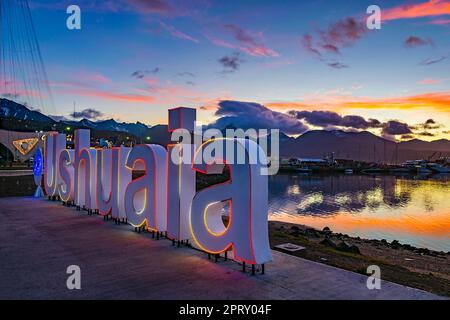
(412, 210)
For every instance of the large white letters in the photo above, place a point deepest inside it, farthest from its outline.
(54, 144)
(245, 195)
(145, 197)
(164, 198)
(67, 174)
(85, 170)
(112, 179)
(180, 190)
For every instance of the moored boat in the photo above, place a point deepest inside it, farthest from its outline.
(435, 167)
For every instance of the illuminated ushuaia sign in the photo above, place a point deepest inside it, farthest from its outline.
(164, 200)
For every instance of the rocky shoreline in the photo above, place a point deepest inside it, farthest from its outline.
(421, 268)
(344, 246)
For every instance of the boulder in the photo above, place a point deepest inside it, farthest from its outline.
(345, 247)
(312, 233)
(395, 244)
(328, 243)
(423, 251)
(355, 249)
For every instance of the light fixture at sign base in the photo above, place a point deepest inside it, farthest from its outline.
(37, 170)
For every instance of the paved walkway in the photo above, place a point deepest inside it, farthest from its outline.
(40, 239)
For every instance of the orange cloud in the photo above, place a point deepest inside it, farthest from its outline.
(430, 8)
(439, 101)
(112, 95)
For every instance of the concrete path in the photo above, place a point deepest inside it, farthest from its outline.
(39, 239)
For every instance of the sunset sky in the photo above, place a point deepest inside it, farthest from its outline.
(134, 59)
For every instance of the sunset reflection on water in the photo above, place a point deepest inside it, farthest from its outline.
(413, 210)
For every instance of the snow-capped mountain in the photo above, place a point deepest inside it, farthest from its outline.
(11, 109)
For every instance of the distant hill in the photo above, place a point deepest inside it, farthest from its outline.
(437, 145)
(362, 146)
(11, 109)
(15, 111)
(138, 129)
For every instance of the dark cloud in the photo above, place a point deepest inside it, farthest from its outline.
(250, 115)
(414, 41)
(341, 34)
(358, 122)
(89, 113)
(407, 137)
(153, 6)
(430, 124)
(247, 115)
(426, 134)
(395, 128)
(428, 62)
(327, 119)
(332, 120)
(250, 44)
(331, 48)
(337, 65)
(307, 43)
(240, 34)
(190, 83)
(186, 74)
(231, 63)
(318, 118)
(374, 123)
(140, 74)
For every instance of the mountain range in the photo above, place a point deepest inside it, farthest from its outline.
(362, 146)
(137, 129)
(12, 110)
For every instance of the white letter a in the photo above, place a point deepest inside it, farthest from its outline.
(74, 20)
(74, 280)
